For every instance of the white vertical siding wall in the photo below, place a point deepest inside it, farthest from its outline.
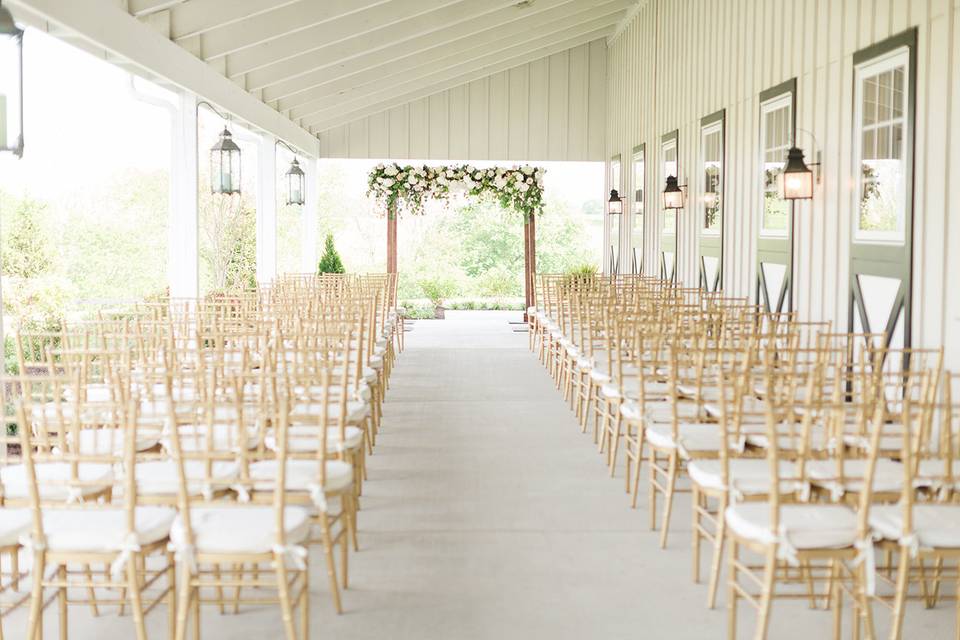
(548, 109)
(679, 60)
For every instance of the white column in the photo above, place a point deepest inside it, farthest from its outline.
(183, 269)
(308, 233)
(266, 208)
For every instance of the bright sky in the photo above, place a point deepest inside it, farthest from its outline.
(82, 125)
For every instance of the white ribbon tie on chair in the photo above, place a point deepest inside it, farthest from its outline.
(318, 496)
(128, 547)
(294, 553)
(866, 555)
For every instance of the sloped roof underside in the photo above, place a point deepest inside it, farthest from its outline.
(321, 64)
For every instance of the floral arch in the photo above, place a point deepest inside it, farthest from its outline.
(407, 188)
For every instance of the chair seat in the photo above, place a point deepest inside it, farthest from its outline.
(14, 523)
(241, 529)
(693, 437)
(748, 476)
(599, 376)
(161, 478)
(303, 438)
(888, 476)
(663, 414)
(110, 441)
(805, 526)
(302, 474)
(103, 530)
(356, 410)
(225, 438)
(584, 363)
(935, 525)
(52, 480)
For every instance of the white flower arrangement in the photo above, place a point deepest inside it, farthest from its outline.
(408, 187)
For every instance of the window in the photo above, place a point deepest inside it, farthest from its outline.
(776, 136)
(880, 112)
(636, 234)
(670, 168)
(711, 144)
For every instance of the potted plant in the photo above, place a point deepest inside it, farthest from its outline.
(330, 262)
(437, 291)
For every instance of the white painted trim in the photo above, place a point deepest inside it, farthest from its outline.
(266, 209)
(626, 20)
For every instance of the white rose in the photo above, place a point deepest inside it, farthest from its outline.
(389, 182)
(391, 170)
(412, 179)
(523, 187)
(529, 180)
(526, 169)
(380, 180)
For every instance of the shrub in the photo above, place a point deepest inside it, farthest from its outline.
(330, 262)
(438, 289)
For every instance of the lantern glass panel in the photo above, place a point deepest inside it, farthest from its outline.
(797, 185)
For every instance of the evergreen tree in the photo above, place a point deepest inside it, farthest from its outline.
(330, 262)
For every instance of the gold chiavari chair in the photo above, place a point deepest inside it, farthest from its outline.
(77, 517)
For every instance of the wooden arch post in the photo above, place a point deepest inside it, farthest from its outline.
(392, 239)
(529, 263)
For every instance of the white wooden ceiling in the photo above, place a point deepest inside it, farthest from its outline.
(324, 63)
(320, 61)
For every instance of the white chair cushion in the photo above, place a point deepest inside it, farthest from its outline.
(52, 479)
(110, 441)
(13, 524)
(103, 530)
(599, 376)
(301, 474)
(241, 529)
(356, 410)
(888, 475)
(806, 526)
(748, 476)
(160, 477)
(225, 438)
(693, 437)
(935, 525)
(663, 414)
(302, 439)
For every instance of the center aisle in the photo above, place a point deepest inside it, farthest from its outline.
(487, 515)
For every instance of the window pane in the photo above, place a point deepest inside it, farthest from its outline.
(775, 142)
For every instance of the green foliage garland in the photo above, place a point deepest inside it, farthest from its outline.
(408, 187)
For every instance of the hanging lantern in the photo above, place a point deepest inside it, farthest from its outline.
(615, 203)
(225, 165)
(673, 196)
(295, 192)
(11, 84)
(797, 177)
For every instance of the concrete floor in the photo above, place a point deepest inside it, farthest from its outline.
(488, 515)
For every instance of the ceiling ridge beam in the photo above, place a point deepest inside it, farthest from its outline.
(107, 25)
(466, 78)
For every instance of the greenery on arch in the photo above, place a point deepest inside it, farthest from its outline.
(397, 187)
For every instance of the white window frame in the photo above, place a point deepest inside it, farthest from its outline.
(664, 147)
(773, 104)
(899, 57)
(710, 129)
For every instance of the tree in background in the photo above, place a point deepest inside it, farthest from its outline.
(330, 262)
(229, 250)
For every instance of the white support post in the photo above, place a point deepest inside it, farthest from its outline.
(267, 209)
(308, 233)
(183, 269)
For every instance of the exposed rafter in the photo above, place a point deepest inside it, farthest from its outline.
(451, 66)
(627, 19)
(403, 98)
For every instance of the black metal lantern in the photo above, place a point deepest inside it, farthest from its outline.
(11, 84)
(225, 165)
(673, 196)
(615, 203)
(797, 178)
(295, 192)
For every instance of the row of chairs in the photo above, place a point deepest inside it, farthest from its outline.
(187, 454)
(831, 457)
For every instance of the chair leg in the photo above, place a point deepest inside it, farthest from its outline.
(304, 605)
(836, 599)
(717, 562)
(900, 598)
(171, 595)
(672, 473)
(136, 603)
(331, 565)
(766, 597)
(36, 596)
(732, 594)
(635, 490)
(62, 601)
(615, 443)
(184, 604)
(283, 589)
(697, 502)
